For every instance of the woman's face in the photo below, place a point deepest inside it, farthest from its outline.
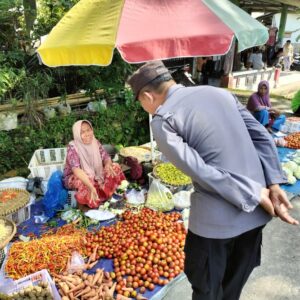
(263, 90)
(86, 133)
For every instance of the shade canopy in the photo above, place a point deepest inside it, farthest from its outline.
(146, 30)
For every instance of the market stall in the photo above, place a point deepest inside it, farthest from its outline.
(288, 146)
(137, 245)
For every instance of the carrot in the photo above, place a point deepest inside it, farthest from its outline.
(65, 298)
(85, 291)
(77, 288)
(60, 291)
(68, 264)
(92, 293)
(93, 255)
(85, 275)
(70, 285)
(140, 297)
(64, 287)
(92, 265)
(100, 278)
(110, 292)
(96, 277)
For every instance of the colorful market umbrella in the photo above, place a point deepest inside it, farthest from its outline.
(144, 30)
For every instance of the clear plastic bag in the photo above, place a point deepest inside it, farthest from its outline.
(159, 197)
(76, 263)
(135, 197)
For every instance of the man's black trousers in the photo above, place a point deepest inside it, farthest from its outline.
(219, 268)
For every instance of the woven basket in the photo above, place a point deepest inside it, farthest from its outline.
(6, 239)
(20, 200)
(155, 173)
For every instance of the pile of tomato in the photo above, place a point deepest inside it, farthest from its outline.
(146, 248)
(293, 140)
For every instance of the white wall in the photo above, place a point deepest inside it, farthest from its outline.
(292, 23)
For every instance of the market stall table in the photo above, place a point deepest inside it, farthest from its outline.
(31, 229)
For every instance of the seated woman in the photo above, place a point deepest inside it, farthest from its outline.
(259, 104)
(89, 168)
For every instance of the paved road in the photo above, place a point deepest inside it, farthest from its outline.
(278, 278)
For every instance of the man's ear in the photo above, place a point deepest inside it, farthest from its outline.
(149, 96)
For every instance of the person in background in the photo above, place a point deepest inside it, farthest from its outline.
(255, 60)
(288, 53)
(236, 189)
(259, 105)
(276, 58)
(89, 169)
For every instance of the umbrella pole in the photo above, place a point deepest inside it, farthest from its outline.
(151, 138)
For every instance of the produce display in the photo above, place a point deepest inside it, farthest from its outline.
(7, 195)
(146, 248)
(293, 140)
(292, 168)
(39, 292)
(5, 231)
(169, 174)
(140, 153)
(12, 200)
(50, 252)
(82, 285)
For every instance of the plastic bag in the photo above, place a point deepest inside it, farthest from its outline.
(182, 199)
(56, 195)
(135, 197)
(159, 197)
(76, 263)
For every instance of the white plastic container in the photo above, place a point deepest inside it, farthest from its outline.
(46, 161)
(10, 286)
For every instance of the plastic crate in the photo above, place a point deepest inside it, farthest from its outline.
(46, 161)
(21, 215)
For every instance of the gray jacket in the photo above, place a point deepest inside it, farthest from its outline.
(210, 136)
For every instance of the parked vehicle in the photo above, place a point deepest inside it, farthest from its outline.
(295, 66)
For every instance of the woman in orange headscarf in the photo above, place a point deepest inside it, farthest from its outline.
(89, 168)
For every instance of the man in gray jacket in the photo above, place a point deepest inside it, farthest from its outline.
(234, 165)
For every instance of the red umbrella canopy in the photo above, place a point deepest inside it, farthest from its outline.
(147, 30)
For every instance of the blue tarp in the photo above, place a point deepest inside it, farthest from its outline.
(283, 156)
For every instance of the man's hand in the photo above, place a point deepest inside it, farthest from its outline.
(266, 203)
(281, 204)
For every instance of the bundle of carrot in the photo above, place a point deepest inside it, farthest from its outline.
(98, 286)
(50, 252)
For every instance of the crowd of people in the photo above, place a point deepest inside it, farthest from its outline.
(259, 58)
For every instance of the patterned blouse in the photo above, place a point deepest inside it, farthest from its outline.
(73, 161)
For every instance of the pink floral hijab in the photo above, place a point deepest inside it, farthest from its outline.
(89, 154)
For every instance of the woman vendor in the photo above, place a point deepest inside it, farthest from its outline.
(259, 104)
(89, 169)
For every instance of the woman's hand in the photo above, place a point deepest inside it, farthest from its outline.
(274, 112)
(109, 168)
(94, 195)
